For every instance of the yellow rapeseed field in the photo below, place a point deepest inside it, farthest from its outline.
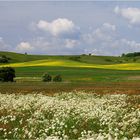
(70, 63)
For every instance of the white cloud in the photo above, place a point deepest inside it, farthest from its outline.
(4, 46)
(57, 27)
(104, 33)
(70, 43)
(50, 46)
(131, 14)
(109, 26)
(24, 47)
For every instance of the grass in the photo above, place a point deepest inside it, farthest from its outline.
(78, 72)
(16, 57)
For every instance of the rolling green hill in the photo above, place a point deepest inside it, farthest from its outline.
(16, 57)
(83, 61)
(72, 63)
(74, 68)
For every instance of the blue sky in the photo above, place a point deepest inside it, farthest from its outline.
(60, 27)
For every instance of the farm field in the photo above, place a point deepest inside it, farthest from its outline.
(71, 115)
(100, 73)
(74, 64)
(52, 88)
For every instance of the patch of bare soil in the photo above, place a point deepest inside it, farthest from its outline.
(134, 77)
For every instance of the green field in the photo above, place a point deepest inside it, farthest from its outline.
(75, 70)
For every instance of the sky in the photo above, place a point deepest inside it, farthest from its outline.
(70, 27)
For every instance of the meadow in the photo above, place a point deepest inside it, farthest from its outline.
(69, 116)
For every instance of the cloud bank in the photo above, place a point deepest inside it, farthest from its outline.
(103, 40)
(61, 37)
(50, 46)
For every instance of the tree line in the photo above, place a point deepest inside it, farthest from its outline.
(135, 54)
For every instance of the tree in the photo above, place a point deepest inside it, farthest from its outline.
(46, 77)
(123, 55)
(7, 74)
(57, 78)
(4, 59)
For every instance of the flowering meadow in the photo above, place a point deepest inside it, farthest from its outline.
(68, 116)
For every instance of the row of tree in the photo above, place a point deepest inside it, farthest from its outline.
(131, 54)
(48, 78)
(8, 74)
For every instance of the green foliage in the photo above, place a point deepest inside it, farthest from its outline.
(57, 78)
(131, 54)
(46, 77)
(7, 74)
(134, 59)
(109, 60)
(4, 59)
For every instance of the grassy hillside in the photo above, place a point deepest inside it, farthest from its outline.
(16, 57)
(74, 68)
(71, 63)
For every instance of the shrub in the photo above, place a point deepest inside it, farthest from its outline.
(108, 60)
(46, 77)
(7, 74)
(57, 78)
(75, 58)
